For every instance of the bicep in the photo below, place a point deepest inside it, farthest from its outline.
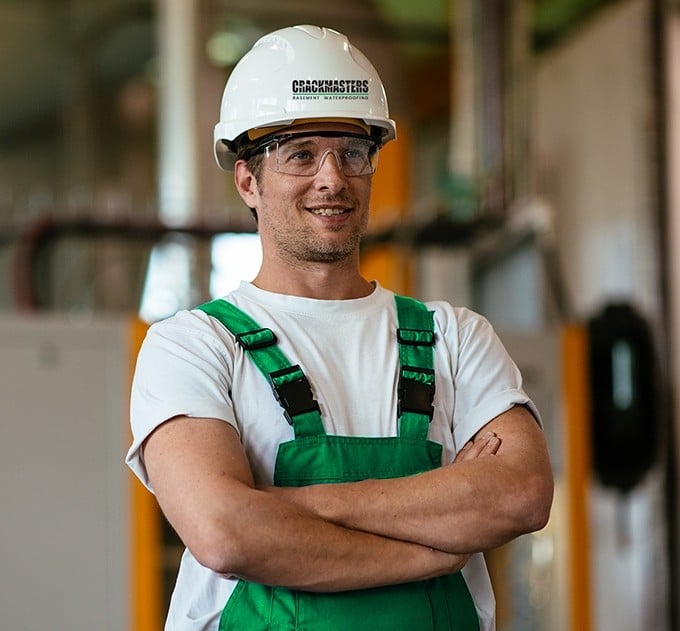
(521, 436)
(525, 479)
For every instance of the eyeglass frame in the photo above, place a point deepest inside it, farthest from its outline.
(262, 146)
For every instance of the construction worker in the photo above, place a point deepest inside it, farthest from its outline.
(333, 456)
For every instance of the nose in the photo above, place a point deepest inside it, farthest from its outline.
(327, 153)
(330, 173)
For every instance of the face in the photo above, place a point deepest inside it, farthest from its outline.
(310, 218)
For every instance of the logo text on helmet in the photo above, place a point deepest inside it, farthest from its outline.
(330, 87)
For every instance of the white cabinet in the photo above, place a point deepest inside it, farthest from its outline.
(64, 489)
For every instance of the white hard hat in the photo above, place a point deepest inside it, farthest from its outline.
(299, 74)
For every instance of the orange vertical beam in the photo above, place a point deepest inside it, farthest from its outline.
(389, 265)
(145, 534)
(577, 472)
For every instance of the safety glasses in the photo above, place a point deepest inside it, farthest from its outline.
(303, 154)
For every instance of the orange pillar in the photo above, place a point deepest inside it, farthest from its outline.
(389, 264)
(146, 614)
(577, 472)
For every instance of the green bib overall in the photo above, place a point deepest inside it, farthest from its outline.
(314, 457)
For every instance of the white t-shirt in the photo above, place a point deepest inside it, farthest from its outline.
(191, 365)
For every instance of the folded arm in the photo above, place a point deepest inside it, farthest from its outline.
(471, 505)
(204, 485)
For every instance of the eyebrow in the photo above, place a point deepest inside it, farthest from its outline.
(301, 141)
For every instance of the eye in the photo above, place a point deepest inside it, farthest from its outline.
(354, 154)
(300, 155)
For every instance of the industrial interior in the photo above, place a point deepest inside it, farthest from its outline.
(535, 179)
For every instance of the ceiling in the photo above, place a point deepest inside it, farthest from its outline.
(49, 48)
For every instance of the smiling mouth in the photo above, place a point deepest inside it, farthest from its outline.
(328, 212)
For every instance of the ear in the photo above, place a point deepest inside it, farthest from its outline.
(246, 184)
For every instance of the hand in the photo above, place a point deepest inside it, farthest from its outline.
(486, 445)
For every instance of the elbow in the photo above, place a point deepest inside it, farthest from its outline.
(526, 506)
(536, 504)
(219, 561)
(218, 550)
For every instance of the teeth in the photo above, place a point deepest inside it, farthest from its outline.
(328, 212)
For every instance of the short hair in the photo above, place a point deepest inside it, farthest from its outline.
(255, 164)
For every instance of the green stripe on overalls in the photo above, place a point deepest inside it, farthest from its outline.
(313, 457)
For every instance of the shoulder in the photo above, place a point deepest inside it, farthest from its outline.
(469, 337)
(459, 322)
(185, 333)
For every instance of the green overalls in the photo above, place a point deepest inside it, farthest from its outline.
(314, 457)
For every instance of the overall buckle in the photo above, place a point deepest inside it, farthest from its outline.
(416, 391)
(292, 391)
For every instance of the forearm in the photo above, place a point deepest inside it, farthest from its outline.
(458, 512)
(278, 544)
(204, 485)
(471, 505)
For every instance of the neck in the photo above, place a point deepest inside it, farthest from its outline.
(323, 281)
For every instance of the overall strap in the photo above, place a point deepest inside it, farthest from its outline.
(291, 387)
(415, 335)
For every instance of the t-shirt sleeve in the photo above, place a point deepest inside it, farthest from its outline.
(183, 369)
(487, 380)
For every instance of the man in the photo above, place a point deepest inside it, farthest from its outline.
(332, 455)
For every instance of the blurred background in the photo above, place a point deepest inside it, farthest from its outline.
(536, 179)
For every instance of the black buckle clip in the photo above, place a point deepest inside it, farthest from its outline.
(416, 395)
(294, 395)
(259, 338)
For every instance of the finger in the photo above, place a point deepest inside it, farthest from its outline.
(464, 452)
(489, 445)
(486, 445)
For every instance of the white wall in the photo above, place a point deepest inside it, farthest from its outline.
(594, 157)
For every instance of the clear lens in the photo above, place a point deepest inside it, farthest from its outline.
(304, 155)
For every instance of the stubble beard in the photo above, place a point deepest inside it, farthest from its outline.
(305, 246)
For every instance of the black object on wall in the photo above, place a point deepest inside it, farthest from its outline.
(625, 423)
